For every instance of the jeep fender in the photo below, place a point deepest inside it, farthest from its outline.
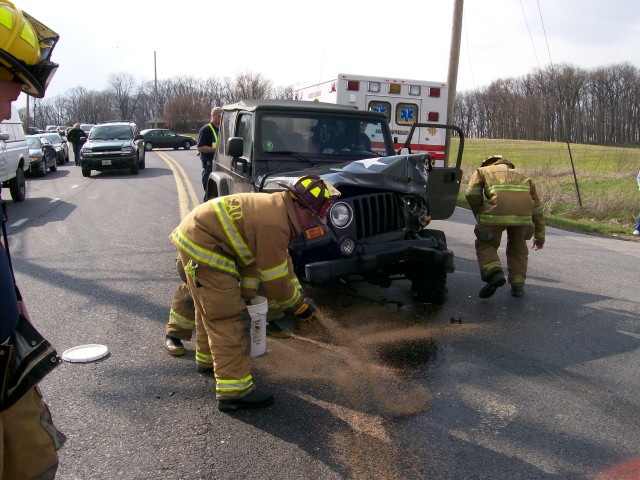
(218, 185)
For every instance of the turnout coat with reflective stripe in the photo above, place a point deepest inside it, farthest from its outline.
(242, 233)
(499, 195)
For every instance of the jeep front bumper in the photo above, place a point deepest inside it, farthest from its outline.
(409, 252)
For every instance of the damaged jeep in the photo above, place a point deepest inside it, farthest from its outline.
(377, 230)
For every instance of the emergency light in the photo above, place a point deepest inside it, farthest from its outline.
(414, 90)
(353, 85)
(434, 92)
(394, 88)
(374, 87)
(433, 116)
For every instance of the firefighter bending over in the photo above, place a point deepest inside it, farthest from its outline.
(225, 239)
(504, 199)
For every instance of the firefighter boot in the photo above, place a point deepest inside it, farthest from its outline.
(256, 399)
(275, 330)
(517, 290)
(174, 346)
(495, 281)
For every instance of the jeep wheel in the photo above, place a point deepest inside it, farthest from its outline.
(148, 146)
(186, 145)
(431, 287)
(18, 186)
(86, 172)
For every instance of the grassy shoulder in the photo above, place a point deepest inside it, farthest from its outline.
(602, 198)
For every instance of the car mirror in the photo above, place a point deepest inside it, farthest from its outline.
(235, 146)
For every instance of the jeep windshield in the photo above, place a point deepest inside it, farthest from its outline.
(321, 137)
(109, 132)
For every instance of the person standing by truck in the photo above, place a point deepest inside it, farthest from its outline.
(29, 439)
(207, 144)
(75, 136)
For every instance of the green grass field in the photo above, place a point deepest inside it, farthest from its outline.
(606, 179)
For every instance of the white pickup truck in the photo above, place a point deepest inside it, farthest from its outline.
(14, 155)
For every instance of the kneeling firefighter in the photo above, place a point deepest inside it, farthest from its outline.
(225, 239)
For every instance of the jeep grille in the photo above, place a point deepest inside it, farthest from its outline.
(377, 214)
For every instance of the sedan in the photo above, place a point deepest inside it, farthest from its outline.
(61, 146)
(42, 155)
(165, 138)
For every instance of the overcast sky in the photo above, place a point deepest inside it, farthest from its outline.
(293, 42)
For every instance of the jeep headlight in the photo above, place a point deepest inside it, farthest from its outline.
(127, 150)
(340, 215)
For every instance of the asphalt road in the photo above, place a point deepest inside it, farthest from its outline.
(540, 387)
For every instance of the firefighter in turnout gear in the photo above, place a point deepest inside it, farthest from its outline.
(503, 199)
(29, 440)
(221, 242)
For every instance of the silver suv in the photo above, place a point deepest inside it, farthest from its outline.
(113, 146)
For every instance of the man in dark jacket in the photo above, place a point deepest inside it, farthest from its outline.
(503, 199)
(75, 136)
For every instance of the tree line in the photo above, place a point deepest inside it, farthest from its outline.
(183, 103)
(557, 103)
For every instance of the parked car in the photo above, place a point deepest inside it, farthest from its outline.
(113, 146)
(165, 138)
(34, 131)
(61, 146)
(42, 155)
(86, 127)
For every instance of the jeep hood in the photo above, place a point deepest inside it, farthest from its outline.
(404, 174)
(399, 173)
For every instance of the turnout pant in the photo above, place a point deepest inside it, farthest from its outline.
(182, 321)
(488, 239)
(222, 312)
(28, 440)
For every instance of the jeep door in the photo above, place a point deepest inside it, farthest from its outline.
(233, 173)
(443, 183)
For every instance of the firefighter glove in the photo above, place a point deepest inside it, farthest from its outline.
(305, 312)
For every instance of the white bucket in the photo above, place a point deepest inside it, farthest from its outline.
(258, 311)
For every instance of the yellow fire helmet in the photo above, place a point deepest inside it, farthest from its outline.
(25, 50)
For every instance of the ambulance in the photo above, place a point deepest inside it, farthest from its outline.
(403, 101)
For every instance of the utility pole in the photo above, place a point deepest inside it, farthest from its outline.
(155, 74)
(452, 80)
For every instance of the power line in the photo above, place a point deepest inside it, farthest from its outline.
(530, 36)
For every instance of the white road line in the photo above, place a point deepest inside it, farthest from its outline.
(19, 222)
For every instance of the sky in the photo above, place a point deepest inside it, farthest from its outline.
(299, 42)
